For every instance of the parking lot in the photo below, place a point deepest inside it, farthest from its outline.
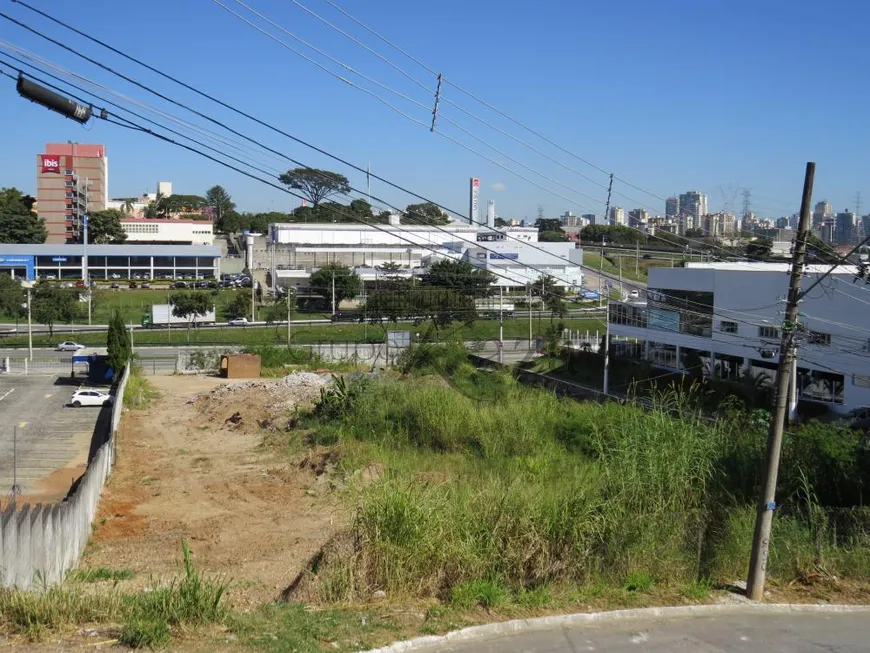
(53, 441)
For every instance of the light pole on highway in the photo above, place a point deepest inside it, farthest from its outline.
(28, 285)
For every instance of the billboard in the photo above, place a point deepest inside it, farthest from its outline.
(51, 163)
(505, 256)
(474, 201)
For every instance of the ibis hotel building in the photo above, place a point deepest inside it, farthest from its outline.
(71, 178)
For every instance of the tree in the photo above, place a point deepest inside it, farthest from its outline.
(218, 198)
(239, 304)
(552, 237)
(820, 251)
(228, 223)
(189, 305)
(128, 205)
(118, 344)
(499, 222)
(442, 305)
(52, 304)
(18, 223)
(278, 310)
(347, 282)
(553, 295)
(548, 224)
(694, 233)
(460, 276)
(759, 248)
(316, 185)
(104, 227)
(426, 213)
(12, 297)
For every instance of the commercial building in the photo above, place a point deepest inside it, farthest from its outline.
(844, 228)
(692, 208)
(821, 211)
(638, 218)
(169, 232)
(617, 215)
(71, 178)
(105, 262)
(724, 318)
(518, 264)
(672, 207)
(293, 251)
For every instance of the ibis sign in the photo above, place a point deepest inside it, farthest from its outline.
(51, 163)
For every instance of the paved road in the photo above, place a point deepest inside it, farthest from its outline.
(738, 633)
(50, 436)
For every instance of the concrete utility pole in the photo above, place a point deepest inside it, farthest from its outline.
(85, 270)
(605, 386)
(787, 355)
(500, 325)
(29, 326)
(529, 289)
(333, 293)
(288, 316)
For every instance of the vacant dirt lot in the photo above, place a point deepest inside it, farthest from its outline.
(193, 466)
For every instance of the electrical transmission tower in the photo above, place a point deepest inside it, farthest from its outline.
(540, 211)
(747, 203)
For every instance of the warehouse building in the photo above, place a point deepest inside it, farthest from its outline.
(32, 262)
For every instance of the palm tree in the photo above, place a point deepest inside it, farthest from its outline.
(127, 206)
(153, 210)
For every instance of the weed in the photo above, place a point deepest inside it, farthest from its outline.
(100, 574)
(138, 633)
(697, 589)
(538, 597)
(483, 593)
(139, 392)
(639, 581)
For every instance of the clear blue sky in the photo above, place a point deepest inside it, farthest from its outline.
(670, 95)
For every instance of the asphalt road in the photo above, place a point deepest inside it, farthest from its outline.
(752, 632)
(50, 436)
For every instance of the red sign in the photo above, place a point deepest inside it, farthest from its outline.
(51, 163)
(475, 182)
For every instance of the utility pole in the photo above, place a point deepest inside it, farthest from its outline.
(637, 260)
(333, 292)
(601, 276)
(16, 489)
(29, 326)
(288, 316)
(787, 354)
(500, 325)
(529, 290)
(605, 386)
(85, 266)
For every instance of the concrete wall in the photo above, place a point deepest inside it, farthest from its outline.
(40, 543)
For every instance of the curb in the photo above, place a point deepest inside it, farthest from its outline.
(542, 623)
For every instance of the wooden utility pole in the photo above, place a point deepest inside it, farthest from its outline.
(787, 354)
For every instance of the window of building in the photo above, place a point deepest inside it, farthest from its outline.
(768, 332)
(67, 172)
(861, 381)
(819, 338)
(728, 327)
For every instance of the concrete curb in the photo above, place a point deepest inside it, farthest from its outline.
(543, 623)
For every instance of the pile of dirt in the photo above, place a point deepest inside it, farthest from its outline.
(249, 406)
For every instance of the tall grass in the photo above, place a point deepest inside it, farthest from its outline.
(139, 391)
(515, 488)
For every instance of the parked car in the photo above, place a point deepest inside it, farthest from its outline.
(69, 345)
(132, 284)
(634, 294)
(180, 284)
(238, 321)
(115, 275)
(81, 398)
(145, 285)
(114, 285)
(80, 284)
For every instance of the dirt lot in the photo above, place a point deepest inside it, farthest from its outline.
(193, 466)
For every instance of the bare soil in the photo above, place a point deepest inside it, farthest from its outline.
(193, 466)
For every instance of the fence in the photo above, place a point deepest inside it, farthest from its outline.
(39, 544)
(42, 365)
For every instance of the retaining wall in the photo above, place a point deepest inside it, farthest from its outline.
(40, 543)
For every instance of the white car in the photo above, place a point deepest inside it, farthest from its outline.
(634, 294)
(81, 398)
(69, 345)
(238, 321)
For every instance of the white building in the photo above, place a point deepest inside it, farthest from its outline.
(617, 216)
(294, 250)
(518, 264)
(169, 232)
(728, 315)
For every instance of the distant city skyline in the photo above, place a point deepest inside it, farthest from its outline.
(681, 135)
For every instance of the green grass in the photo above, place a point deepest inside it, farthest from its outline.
(147, 617)
(492, 490)
(592, 258)
(99, 574)
(139, 392)
(305, 334)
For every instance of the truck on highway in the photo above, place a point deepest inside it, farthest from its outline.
(161, 315)
(492, 309)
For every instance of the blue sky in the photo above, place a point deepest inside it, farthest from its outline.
(669, 95)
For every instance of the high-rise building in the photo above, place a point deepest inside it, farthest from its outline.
(490, 213)
(589, 218)
(71, 179)
(693, 207)
(826, 228)
(844, 228)
(672, 207)
(820, 212)
(617, 215)
(638, 218)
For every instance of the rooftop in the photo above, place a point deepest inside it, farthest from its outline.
(110, 250)
(756, 266)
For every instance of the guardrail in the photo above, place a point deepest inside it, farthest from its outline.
(39, 544)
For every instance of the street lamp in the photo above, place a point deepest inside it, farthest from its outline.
(28, 285)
